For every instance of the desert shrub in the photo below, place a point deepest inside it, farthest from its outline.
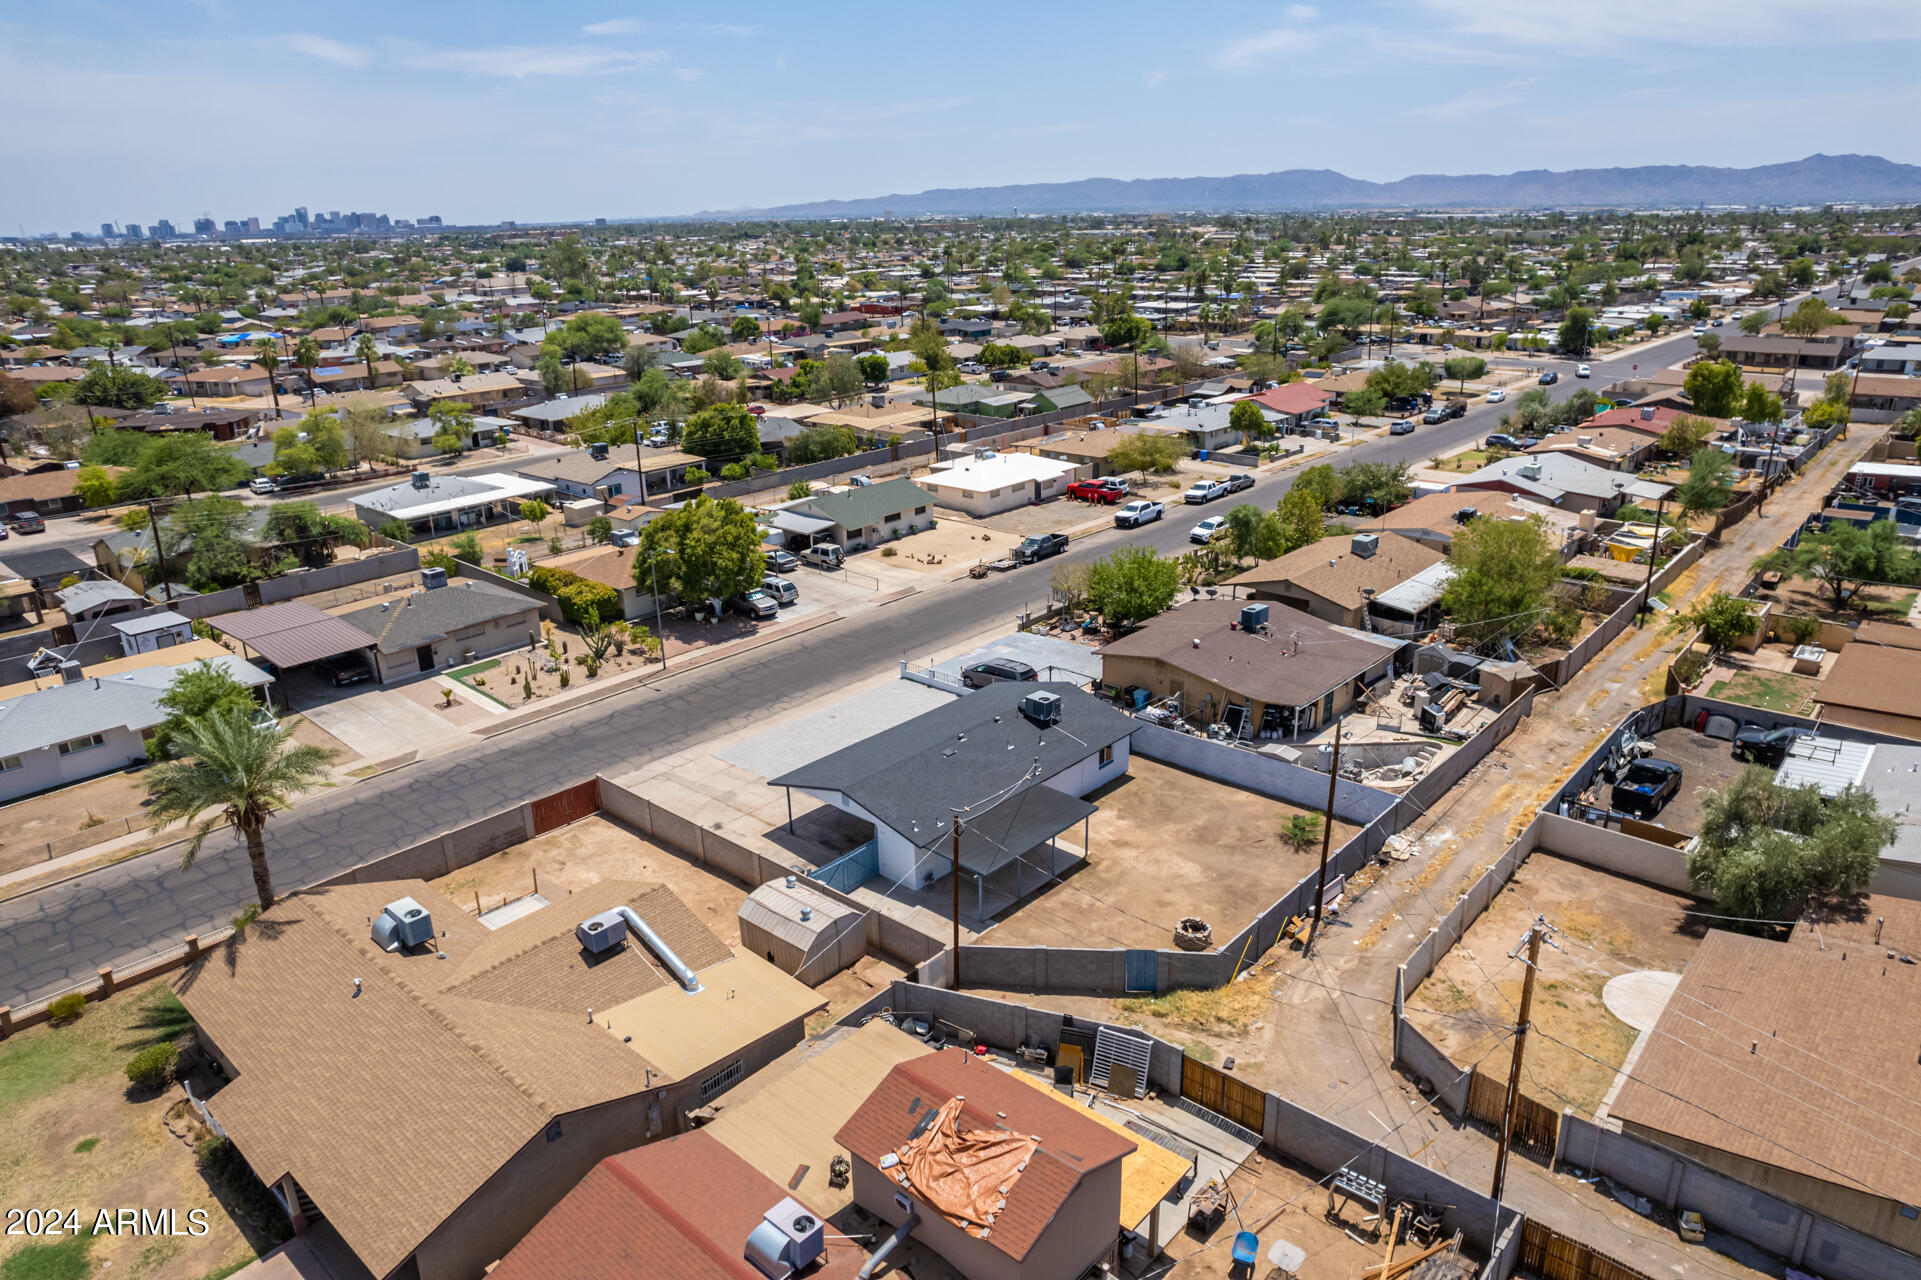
(153, 1067)
(67, 1008)
(1689, 667)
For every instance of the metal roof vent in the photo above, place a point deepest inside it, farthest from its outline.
(402, 923)
(787, 1240)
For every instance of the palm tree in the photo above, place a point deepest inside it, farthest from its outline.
(266, 354)
(366, 350)
(306, 354)
(241, 772)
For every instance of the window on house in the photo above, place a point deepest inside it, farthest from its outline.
(88, 743)
(9, 763)
(1910, 1212)
(920, 511)
(1107, 756)
(722, 1080)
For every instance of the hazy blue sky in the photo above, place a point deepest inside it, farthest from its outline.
(484, 111)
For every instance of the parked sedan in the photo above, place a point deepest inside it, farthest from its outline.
(1203, 491)
(1138, 512)
(1496, 396)
(1764, 746)
(780, 562)
(1645, 788)
(979, 675)
(1204, 531)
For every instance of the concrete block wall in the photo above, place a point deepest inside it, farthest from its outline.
(1252, 771)
(1615, 851)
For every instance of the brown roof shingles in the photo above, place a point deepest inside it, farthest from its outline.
(1331, 570)
(1873, 677)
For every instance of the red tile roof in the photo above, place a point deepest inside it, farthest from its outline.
(680, 1209)
(1629, 416)
(1072, 1144)
(1295, 397)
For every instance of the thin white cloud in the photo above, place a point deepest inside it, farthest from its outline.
(1155, 79)
(328, 50)
(1302, 13)
(688, 74)
(1711, 23)
(613, 27)
(1479, 100)
(735, 30)
(522, 62)
(1297, 35)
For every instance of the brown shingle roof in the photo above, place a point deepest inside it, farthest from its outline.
(1873, 677)
(1394, 561)
(464, 1057)
(1271, 669)
(1899, 635)
(1790, 1057)
(1071, 1144)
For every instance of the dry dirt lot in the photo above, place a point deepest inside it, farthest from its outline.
(585, 853)
(78, 1136)
(1165, 844)
(952, 542)
(1608, 925)
(26, 825)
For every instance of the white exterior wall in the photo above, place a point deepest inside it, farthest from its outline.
(152, 640)
(1078, 780)
(44, 768)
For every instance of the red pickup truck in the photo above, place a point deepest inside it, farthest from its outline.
(1106, 489)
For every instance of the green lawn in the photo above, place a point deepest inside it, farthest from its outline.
(1896, 608)
(461, 673)
(41, 1060)
(1769, 690)
(65, 1259)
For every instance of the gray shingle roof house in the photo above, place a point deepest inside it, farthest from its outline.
(909, 780)
(454, 623)
(864, 514)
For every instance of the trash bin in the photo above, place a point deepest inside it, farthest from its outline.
(1201, 455)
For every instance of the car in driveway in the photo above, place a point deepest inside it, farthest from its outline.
(1138, 512)
(1204, 531)
(343, 669)
(1581, 371)
(1040, 546)
(1496, 396)
(783, 591)
(1548, 377)
(1645, 787)
(978, 675)
(1764, 746)
(1401, 427)
(29, 522)
(1204, 491)
(825, 555)
(1240, 481)
(780, 562)
(755, 604)
(1105, 489)
(1502, 440)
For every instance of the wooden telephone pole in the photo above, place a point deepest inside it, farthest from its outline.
(1327, 839)
(1534, 935)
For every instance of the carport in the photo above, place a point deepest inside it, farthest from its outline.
(291, 634)
(808, 529)
(1008, 831)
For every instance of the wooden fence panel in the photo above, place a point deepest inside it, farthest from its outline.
(1222, 1094)
(563, 807)
(1536, 1126)
(1548, 1254)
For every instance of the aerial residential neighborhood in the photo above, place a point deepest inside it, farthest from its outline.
(680, 715)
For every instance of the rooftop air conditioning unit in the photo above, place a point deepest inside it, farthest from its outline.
(1584, 441)
(1647, 414)
(597, 451)
(1253, 617)
(422, 479)
(402, 923)
(787, 1240)
(1042, 707)
(1530, 471)
(433, 577)
(1365, 545)
(601, 933)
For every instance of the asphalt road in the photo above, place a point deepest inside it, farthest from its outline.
(61, 935)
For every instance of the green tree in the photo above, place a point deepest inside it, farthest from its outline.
(1845, 557)
(873, 369)
(600, 529)
(1378, 485)
(535, 512)
(1462, 368)
(745, 329)
(1714, 387)
(1246, 417)
(1365, 403)
(1753, 322)
(1504, 576)
(1301, 832)
(1144, 451)
(703, 549)
(181, 462)
(306, 357)
(724, 431)
(1708, 487)
(369, 352)
(1299, 519)
(93, 486)
(196, 692)
(1769, 852)
(106, 386)
(1684, 435)
(1322, 483)
(1758, 404)
(1002, 355)
(238, 775)
(1576, 333)
(1131, 585)
(839, 379)
(821, 444)
(1253, 533)
(266, 354)
(1397, 381)
(588, 334)
(1808, 319)
(553, 373)
(1724, 620)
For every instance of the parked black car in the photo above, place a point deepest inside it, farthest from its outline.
(1502, 440)
(979, 675)
(344, 669)
(1040, 546)
(1549, 377)
(1646, 786)
(1764, 746)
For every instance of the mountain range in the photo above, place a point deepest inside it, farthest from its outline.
(1818, 179)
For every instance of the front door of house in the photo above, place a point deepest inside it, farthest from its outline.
(424, 655)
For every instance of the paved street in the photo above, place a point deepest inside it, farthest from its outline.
(61, 935)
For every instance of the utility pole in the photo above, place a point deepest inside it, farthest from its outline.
(954, 972)
(160, 552)
(1654, 548)
(1327, 839)
(1520, 1044)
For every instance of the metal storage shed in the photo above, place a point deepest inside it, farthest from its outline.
(802, 930)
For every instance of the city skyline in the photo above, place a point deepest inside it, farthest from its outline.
(674, 117)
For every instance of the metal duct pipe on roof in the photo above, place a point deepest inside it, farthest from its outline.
(682, 974)
(880, 1255)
